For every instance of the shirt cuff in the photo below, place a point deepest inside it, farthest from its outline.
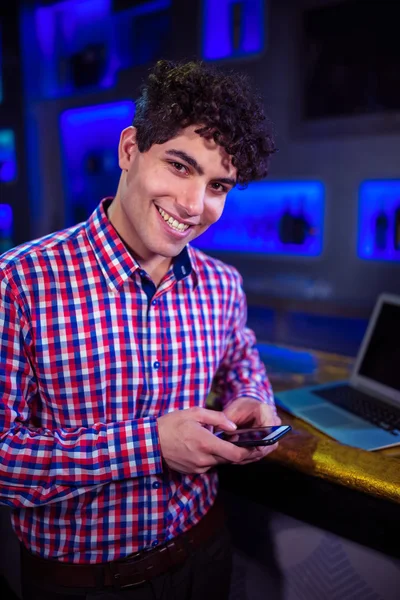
(134, 448)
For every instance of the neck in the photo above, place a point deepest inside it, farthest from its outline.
(156, 267)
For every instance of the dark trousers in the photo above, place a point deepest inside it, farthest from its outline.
(204, 576)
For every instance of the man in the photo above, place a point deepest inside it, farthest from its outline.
(113, 333)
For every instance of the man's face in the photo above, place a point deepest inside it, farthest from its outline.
(170, 194)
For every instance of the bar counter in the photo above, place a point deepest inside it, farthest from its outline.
(351, 492)
(310, 451)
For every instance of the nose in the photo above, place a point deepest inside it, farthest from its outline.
(191, 200)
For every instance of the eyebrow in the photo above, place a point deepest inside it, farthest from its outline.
(227, 180)
(198, 168)
(187, 158)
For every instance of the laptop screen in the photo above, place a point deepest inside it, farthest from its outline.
(381, 361)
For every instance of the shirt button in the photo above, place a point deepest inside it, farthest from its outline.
(156, 485)
(142, 273)
(155, 543)
(154, 302)
(156, 365)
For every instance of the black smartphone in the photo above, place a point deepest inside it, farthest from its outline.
(255, 436)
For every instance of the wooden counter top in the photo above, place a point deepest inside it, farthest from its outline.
(313, 453)
(311, 477)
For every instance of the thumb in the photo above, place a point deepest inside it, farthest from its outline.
(214, 417)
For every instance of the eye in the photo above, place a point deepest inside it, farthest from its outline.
(218, 187)
(179, 167)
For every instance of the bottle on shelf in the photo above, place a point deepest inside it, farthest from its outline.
(381, 228)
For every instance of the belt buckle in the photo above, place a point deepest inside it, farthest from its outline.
(122, 586)
(119, 578)
(120, 569)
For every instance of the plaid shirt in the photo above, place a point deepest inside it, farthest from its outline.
(91, 353)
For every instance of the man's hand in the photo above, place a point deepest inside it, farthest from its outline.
(189, 447)
(249, 412)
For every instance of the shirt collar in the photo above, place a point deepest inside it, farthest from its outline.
(182, 267)
(113, 257)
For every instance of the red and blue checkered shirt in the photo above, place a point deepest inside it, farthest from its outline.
(91, 353)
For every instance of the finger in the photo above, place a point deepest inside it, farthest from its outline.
(207, 461)
(213, 417)
(253, 456)
(268, 416)
(226, 450)
(212, 444)
(262, 452)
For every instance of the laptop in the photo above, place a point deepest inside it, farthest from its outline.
(365, 411)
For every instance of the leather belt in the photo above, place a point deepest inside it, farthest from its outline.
(130, 571)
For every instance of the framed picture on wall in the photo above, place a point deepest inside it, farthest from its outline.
(350, 76)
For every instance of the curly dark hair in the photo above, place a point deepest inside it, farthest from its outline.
(224, 106)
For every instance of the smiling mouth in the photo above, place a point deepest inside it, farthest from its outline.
(172, 222)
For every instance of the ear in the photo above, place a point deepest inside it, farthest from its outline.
(127, 148)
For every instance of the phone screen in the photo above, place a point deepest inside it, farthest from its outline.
(254, 436)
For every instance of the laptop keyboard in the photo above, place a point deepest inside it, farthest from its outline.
(361, 404)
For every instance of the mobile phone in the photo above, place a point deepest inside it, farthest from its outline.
(255, 436)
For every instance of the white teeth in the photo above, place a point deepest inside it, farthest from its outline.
(171, 221)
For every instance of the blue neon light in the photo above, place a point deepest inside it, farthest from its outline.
(379, 220)
(8, 159)
(222, 38)
(89, 138)
(6, 227)
(58, 32)
(6, 218)
(253, 220)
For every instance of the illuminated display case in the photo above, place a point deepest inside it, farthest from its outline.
(8, 160)
(379, 220)
(89, 141)
(6, 228)
(232, 28)
(78, 45)
(270, 217)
